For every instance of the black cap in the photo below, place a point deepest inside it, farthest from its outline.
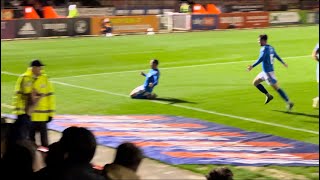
(36, 63)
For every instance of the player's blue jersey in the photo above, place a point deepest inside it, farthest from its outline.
(151, 77)
(267, 55)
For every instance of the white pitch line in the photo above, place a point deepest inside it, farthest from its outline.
(7, 106)
(187, 107)
(245, 119)
(178, 67)
(91, 89)
(9, 73)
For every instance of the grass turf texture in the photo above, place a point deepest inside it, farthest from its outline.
(224, 88)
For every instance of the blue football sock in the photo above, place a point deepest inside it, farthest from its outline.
(283, 95)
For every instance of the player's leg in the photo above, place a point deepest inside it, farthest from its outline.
(141, 93)
(271, 80)
(315, 103)
(145, 95)
(283, 95)
(149, 93)
(103, 32)
(152, 96)
(257, 83)
(317, 74)
(136, 92)
(109, 31)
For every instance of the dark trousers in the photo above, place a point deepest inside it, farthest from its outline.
(42, 128)
(107, 30)
(21, 128)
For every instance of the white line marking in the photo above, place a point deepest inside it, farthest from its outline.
(91, 89)
(246, 119)
(165, 68)
(185, 107)
(9, 73)
(7, 106)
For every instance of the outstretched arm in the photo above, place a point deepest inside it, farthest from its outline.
(279, 59)
(143, 74)
(260, 59)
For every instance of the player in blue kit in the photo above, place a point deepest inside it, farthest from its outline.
(315, 55)
(152, 79)
(267, 55)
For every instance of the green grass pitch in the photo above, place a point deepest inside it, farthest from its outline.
(205, 70)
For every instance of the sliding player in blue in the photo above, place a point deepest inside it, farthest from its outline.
(267, 55)
(152, 78)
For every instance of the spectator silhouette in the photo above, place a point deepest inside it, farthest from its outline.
(54, 160)
(79, 146)
(221, 173)
(17, 163)
(18, 153)
(5, 128)
(125, 164)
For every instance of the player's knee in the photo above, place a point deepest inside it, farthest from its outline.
(257, 81)
(275, 87)
(152, 96)
(133, 93)
(132, 96)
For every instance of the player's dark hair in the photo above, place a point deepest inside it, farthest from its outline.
(155, 61)
(55, 155)
(263, 37)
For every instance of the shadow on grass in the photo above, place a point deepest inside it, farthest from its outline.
(170, 100)
(299, 114)
(173, 100)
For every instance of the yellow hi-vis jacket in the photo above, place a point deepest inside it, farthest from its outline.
(26, 85)
(22, 97)
(73, 11)
(184, 8)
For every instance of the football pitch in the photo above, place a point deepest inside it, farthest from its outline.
(203, 76)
